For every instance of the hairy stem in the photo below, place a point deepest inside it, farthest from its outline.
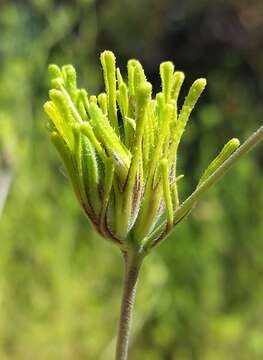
(132, 262)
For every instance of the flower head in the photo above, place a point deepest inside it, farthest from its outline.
(120, 149)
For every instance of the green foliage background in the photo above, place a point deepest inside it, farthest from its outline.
(200, 294)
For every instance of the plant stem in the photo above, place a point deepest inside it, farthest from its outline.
(132, 263)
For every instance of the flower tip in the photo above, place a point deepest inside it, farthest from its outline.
(55, 94)
(200, 84)
(54, 71)
(234, 143)
(132, 63)
(57, 82)
(69, 69)
(179, 75)
(167, 67)
(107, 56)
(145, 89)
(195, 92)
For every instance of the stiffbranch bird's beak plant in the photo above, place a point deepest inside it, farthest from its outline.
(120, 152)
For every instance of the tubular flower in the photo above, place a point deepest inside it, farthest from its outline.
(120, 149)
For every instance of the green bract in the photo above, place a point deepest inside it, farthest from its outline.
(120, 149)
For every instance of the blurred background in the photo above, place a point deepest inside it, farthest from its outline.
(200, 294)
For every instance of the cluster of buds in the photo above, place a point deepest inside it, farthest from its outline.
(120, 149)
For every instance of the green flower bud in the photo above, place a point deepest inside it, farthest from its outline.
(120, 150)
